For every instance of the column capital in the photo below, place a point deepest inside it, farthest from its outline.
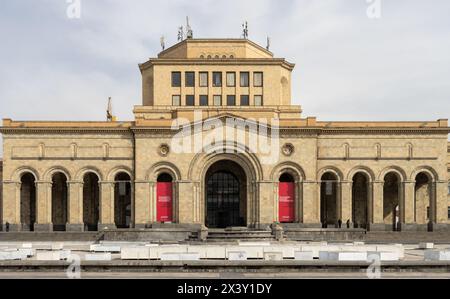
(74, 182)
(43, 182)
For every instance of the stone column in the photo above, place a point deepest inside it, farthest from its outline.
(264, 204)
(346, 204)
(441, 206)
(409, 222)
(106, 206)
(186, 202)
(311, 204)
(376, 223)
(144, 205)
(11, 205)
(43, 206)
(75, 216)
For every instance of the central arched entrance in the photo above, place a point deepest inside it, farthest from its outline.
(226, 195)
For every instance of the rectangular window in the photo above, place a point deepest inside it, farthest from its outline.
(203, 79)
(217, 79)
(176, 79)
(258, 79)
(176, 100)
(190, 79)
(217, 100)
(245, 79)
(245, 100)
(231, 79)
(258, 100)
(204, 100)
(231, 100)
(190, 100)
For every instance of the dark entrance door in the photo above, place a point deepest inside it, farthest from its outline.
(223, 201)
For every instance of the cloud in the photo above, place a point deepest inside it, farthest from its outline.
(349, 67)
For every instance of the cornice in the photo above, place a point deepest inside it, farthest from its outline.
(60, 130)
(282, 130)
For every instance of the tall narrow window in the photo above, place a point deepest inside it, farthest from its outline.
(258, 100)
(203, 100)
(245, 100)
(176, 79)
(258, 79)
(217, 100)
(231, 79)
(231, 100)
(244, 79)
(217, 79)
(190, 100)
(176, 100)
(190, 79)
(203, 79)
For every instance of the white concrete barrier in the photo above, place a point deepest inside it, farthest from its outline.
(315, 249)
(434, 255)
(253, 252)
(98, 256)
(273, 256)
(57, 246)
(237, 255)
(27, 245)
(383, 256)
(27, 252)
(426, 246)
(10, 255)
(104, 248)
(303, 256)
(135, 253)
(48, 256)
(180, 256)
(392, 248)
(287, 250)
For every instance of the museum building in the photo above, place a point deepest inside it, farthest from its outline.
(170, 165)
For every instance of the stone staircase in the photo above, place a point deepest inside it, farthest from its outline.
(230, 235)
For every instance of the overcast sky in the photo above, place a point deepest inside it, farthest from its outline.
(348, 66)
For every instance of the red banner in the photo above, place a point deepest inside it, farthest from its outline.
(164, 202)
(286, 199)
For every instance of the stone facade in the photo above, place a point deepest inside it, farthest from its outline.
(104, 175)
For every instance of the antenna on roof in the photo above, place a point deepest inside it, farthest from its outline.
(180, 34)
(189, 32)
(245, 30)
(163, 43)
(109, 115)
(268, 44)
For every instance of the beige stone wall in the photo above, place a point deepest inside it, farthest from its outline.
(72, 154)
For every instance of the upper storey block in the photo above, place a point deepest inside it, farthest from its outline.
(216, 73)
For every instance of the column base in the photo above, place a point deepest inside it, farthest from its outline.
(12, 227)
(379, 227)
(103, 226)
(439, 227)
(142, 225)
(414, 227)
(74, 227)
(48, 227)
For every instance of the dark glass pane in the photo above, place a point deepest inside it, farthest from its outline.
(190, 100)
(244, 100)
(203, 100)
(190, 79)
(231, 100)
(176, 79)
(217, 79)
